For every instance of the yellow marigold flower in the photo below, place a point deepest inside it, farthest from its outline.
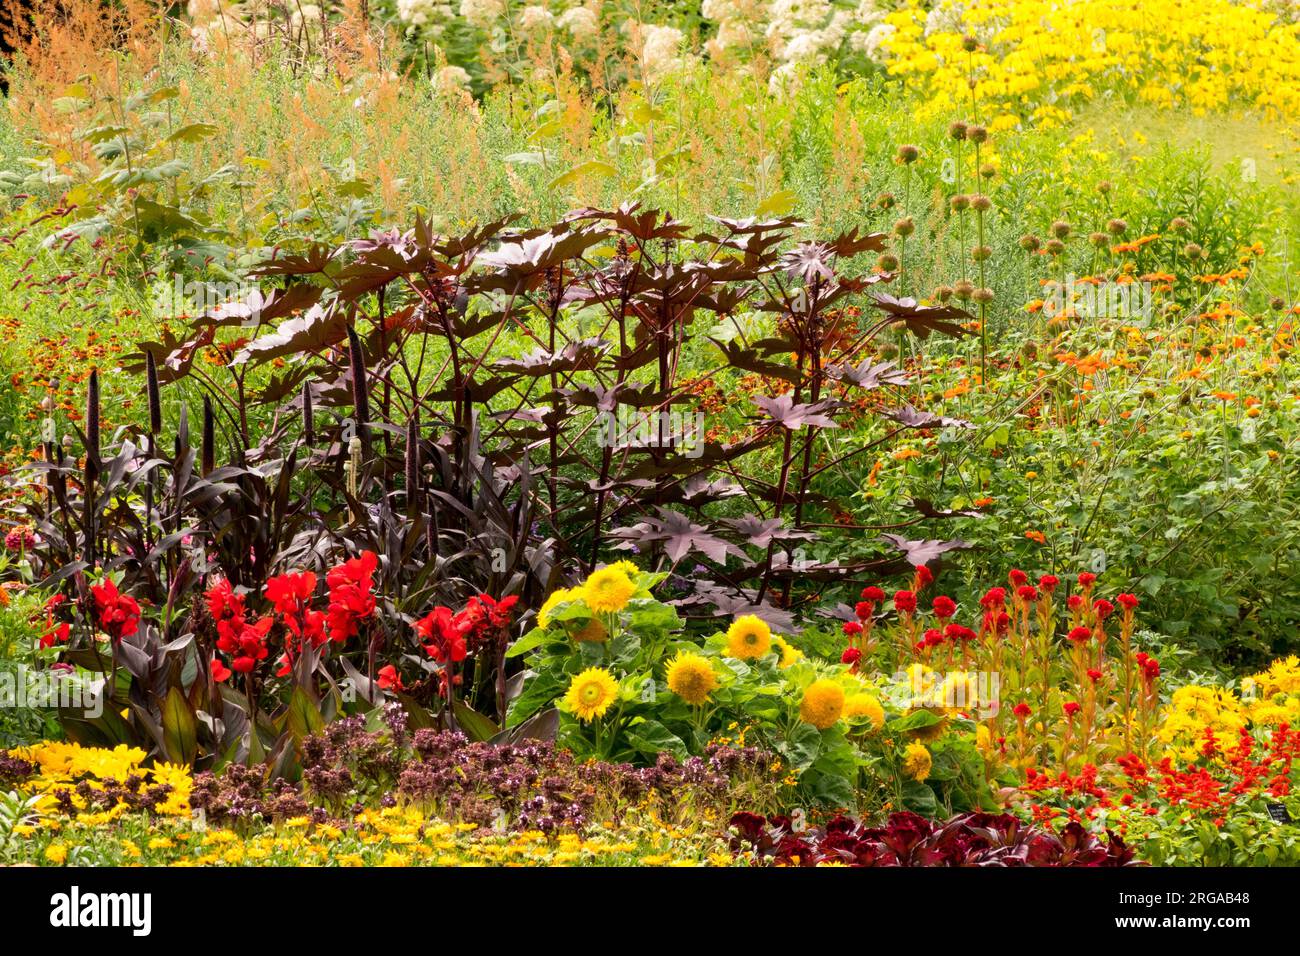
(691, 677)
(591, 693)
(748, 637)
(789, 653)
(865, 705)
(608, 590)
(823, 703)
(554, 600)
(916, 762)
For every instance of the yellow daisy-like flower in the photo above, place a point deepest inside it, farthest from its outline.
(56, 853)
(691, 677)
(748, 637)
(627, 567)
(789, 653)
(823, 703)
(591, 693)
(608, 590)
(916, 762)
(865, 705)
(554, 600)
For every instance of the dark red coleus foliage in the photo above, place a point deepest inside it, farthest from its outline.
(971, 839)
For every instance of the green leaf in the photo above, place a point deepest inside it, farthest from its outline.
(303, 717)
(476, 726)
(180, 728)
(650, 737)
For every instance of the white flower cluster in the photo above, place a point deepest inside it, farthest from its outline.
(797, 33)
(482, 13)
(660, 49)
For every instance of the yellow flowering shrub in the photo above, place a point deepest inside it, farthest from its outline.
(62, 766)
(1035, 60)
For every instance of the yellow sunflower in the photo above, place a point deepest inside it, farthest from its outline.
(865, 705)
(608, 590)
(823, 703)
(691, 678)
(916, 762)
(556, 598)
(591, 693)
(789, 653)
(748, 637)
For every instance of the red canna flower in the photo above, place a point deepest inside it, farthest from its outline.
(219, 670)
(389, 679)
(351, 597)
(119, 615)
(441, 636)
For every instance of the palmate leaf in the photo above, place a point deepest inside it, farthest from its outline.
(678, 535)
(760, 532)
(731, 603)
(809, 261)
(795, 415)
(923, 552)
(317, 329)
(637, 222)
(867, 376)
(529, 254)
(922, 320)
(914, 418)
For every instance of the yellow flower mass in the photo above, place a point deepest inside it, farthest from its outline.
(608, 590)
(748, 637)
(865, 705)
(591, 693)
(691, 677)
(916, 762)
(823, 703)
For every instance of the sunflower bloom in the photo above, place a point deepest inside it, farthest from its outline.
(591, 693)
(748, 637)
(608, 590)
(691, 677)
(865, 705)
(916, 762)
(554, 600)
(789, 653)
(823, 703)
